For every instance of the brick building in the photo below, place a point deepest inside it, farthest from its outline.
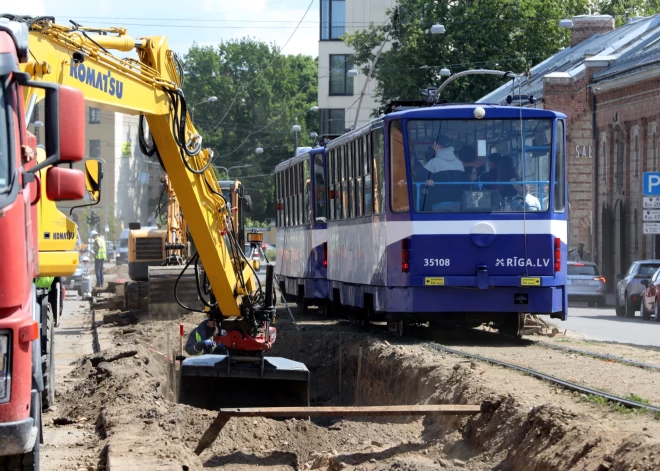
(608, 84)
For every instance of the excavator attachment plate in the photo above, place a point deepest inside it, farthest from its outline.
(219, 381)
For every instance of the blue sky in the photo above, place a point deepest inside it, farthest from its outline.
(186, 21)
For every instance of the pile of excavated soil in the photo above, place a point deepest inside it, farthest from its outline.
(531, 425)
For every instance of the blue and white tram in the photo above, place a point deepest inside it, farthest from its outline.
(300, 195)
(451, 213)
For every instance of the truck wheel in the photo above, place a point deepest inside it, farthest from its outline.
(48, 360)
(56, 300)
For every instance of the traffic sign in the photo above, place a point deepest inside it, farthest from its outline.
(652, 202)
(651, 184)
(652, 215)
(652, 228)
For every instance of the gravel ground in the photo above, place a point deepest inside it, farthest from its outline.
(127, 404)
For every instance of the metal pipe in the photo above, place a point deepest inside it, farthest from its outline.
(594, 131)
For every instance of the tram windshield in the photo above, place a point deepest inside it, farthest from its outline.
(475, 165)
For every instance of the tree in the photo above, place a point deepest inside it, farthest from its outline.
(620, 8)
(498, 34)
(261, 93)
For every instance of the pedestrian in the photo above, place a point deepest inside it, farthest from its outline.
(200, 339)
(99, 251)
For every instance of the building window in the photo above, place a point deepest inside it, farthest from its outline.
(94, 115)
(333, 19)
(332, 122)
(618, 147)
(95, 148)
(340, 82)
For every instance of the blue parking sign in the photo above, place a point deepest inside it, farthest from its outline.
(651, 183)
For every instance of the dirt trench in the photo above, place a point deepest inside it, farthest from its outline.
(125, 387)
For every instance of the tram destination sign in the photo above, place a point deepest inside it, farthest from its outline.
(652, 215)
(651, 202)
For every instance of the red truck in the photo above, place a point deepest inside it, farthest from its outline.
(23, 308)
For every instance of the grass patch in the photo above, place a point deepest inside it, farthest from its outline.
(617, 406)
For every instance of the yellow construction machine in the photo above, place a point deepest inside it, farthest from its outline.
(151, 87)
(162, 246)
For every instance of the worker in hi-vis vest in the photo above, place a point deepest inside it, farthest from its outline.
(99, 250)
(201, 340)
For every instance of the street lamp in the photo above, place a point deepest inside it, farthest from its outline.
(352, 73)
(209, 99)
(438, 29)
(314, 108)
(259, 150)
(296, 129)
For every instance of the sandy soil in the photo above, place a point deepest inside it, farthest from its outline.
(123, 393)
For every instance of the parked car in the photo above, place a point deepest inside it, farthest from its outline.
(585, 283)
(650, 295)
(629, 289)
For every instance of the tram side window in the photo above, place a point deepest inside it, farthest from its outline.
(378, 171)
(319, 190)
(398, 181)
(339, 164)
(560, 159)
(300, 193)
(277, 198)
(351, 180)
(330, 162)
(306, 194)
(344, 184)
(285, 199)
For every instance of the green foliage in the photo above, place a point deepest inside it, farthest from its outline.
(252, 223)
(497, 34)
(251, 95)
(619, 9)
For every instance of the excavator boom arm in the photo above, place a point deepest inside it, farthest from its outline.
(152, 87)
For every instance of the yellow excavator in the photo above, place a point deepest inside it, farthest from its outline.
(244, 309)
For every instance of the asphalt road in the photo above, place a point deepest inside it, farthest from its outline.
(603, 324)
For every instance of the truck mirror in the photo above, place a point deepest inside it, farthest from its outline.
(93, 177)
(64, 184)
(247, 203)
(645, 282)
(71, 120)
(619, 276)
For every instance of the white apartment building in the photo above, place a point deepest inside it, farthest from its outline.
(338, 93)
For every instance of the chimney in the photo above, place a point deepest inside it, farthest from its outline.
(585, 26)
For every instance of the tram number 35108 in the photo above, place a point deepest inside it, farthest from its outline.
(436, 262)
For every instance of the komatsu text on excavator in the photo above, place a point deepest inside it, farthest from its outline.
(151, 87)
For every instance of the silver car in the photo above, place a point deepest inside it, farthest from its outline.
(585, 283)
(629, 289)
